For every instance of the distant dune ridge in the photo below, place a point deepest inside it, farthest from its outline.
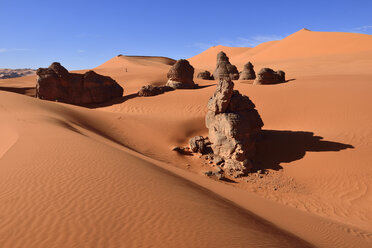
(106, 176)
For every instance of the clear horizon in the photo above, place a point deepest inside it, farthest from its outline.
(85, 34)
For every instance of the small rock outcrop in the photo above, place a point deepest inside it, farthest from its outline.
(198, 144)
(269, 76)
(55, 83)
(225, 69)
(150, 90)
(233, 124)
(248, 72)
(206, 75)
(180, 75)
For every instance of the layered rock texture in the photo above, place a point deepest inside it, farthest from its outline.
(269, 76)
(248, 72)
(55, 83)
(206, 75)
(224, 69)
(233, 124)
(150, 90)
(180, 75)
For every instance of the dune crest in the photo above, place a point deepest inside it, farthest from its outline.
(304, 52)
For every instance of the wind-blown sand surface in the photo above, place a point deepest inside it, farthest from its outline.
(106, 177)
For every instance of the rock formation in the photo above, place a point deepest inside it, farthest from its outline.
(248, 72)
(198, 144)
(269, 76)
(206, 75)
(57, 84)
(224, 68)
(281, 75)
(233, 124)
(180, 75)
(150, 90)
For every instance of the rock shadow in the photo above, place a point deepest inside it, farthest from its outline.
(289, 80)
(114, 101)
(275, 147)
(122, 99)
(29, 91)
(204, 86)
(227, 180)
(284, 82)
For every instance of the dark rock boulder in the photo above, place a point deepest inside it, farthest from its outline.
(224, 69)
(248, 72)
(233, 124)
(150, 90)
(180, 75)
(281, 75)
(269, 76)
(57, 84)
(206, 75)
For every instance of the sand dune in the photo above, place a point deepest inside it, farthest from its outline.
(128, 61)
(207, 59)
(305, 43)
(302, 53)
(107, 176)
(124, 69)
(73, 187)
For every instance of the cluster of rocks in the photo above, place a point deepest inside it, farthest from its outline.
(269, 76)
(248, 72)
(55, 83)
(224, 68)
(217, 173)
(233, 124)
(180, 76)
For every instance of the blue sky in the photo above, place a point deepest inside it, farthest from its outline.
(85, 34)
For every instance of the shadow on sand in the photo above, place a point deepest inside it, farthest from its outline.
(204, 86)
(289, 80)
(251, 81)
(275, 147)
(115, 101)
(286, 81)
(29, 91)
(122, 99)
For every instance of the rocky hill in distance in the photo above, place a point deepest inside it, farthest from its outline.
(14, 73)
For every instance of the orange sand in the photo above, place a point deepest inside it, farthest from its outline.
(106, 177)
